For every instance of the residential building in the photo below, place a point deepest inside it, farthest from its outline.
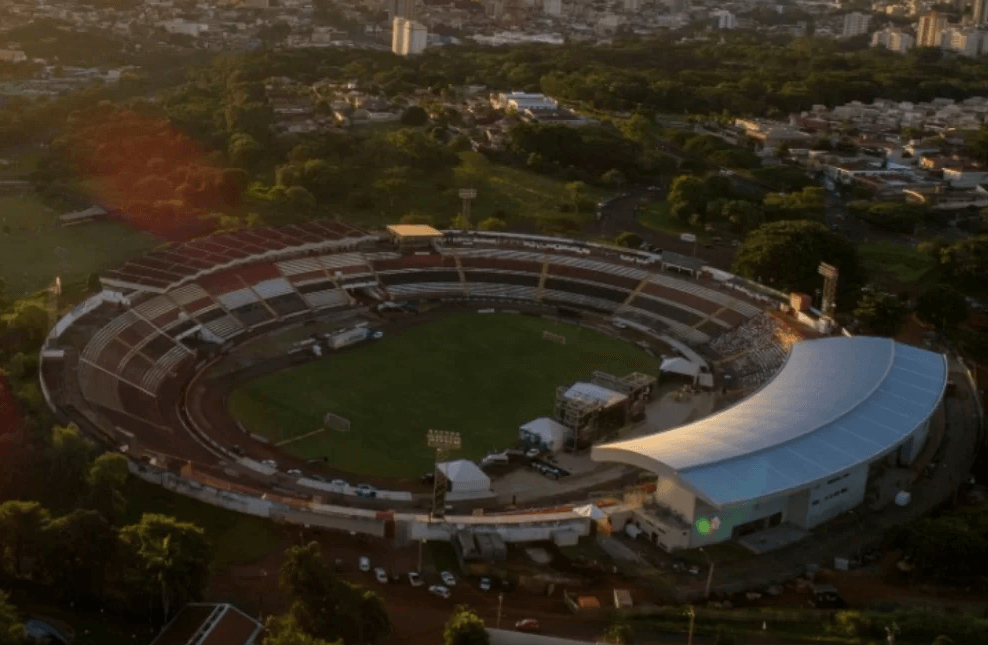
(725, 19)
(552, 7)
(929, 29)
(401, 9)
(966, 41)
(12, 56)
(408, 37)
(521, 101)
(856, 24)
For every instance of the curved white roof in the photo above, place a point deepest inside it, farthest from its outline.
(836, 403)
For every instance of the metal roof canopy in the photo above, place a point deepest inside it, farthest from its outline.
(837, 402)
(413, 230)
(603, 395)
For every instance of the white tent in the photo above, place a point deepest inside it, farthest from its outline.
(592, 511)
(696, 371)
(547, 433)
(465, 476)
(679, 365)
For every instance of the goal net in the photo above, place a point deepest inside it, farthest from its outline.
(336, 422)
(556, 338)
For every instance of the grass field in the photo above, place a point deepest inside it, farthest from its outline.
(37, 249)
(481, 375)
(904, 264)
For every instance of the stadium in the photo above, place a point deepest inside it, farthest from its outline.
(816, 417)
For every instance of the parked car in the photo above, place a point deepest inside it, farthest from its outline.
(485, 584)
(439, 590)
(339, 482)
(527, 625)
(365, 490)
(377, 335)
(448, 579)
(415, 579)
(618, 324)
(364, 563)
(295, 472)
(532, 453)
(318, 478)
(270, 463)
(381, 575)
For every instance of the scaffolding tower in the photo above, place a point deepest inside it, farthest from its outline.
(638, 387)
(579, 413)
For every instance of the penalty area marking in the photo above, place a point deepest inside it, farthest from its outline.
(300, 437)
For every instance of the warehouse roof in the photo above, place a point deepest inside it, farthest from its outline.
(836, 403)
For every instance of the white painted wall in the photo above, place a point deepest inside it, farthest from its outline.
(836, 495)
(669, 493)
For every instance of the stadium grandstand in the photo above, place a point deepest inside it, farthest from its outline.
(800, 451)
(120, 362)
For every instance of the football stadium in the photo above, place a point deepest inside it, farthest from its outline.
(264, 370)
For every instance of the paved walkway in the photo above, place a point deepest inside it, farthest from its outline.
(856, 531)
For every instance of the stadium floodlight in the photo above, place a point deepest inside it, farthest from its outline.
(467, 194)
(443, 440)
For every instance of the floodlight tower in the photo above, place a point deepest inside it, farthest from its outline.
(443, 442)
(466, 194)
(830, 275)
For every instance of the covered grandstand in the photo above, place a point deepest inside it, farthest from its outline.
(799, 451)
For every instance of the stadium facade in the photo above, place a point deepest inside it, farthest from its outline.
(800, 451)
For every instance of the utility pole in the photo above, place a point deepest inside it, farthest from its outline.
(500, 603)
(421, 543)
(692, 615)
(710, 574)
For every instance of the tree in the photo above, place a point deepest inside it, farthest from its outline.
(492, 224)
(743, 216)
(107, 478)
(806, 204)
(942, 306)
(22, 538)
(465, 627)
(392, 183)
(416, 218)
(414, 116)
(81, 546)
(23, 326)
(244, 150)
(687, 196)
(628, 239)
(620, 633)
(787, 254)
(330, 608)
(576, 190)
(613, 177)
(881, 314)
(11, 629)
(164, 559)
(285, 630)
(300, 198)
(69, 461)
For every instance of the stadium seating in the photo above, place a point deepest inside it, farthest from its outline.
(426, 289)
(166, 364)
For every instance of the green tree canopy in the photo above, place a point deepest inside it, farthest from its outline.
(942, 306)
(465, 627)
(327, 607)
(165, 560)
(786, 255)
(11, 629)
(414, 117)
(22, 538)
(881, 314)
(285, 630)
(107, 478)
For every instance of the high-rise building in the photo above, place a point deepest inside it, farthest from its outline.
(724, 19)
(856, 24)
(408, 37)
(929, 29)
(401, 9)
(966, 41)
(979, 12)
(893, 39)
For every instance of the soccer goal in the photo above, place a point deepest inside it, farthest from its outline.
(336, 422)
(556, 338)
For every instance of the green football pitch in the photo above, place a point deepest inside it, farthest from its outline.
(482, 375)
